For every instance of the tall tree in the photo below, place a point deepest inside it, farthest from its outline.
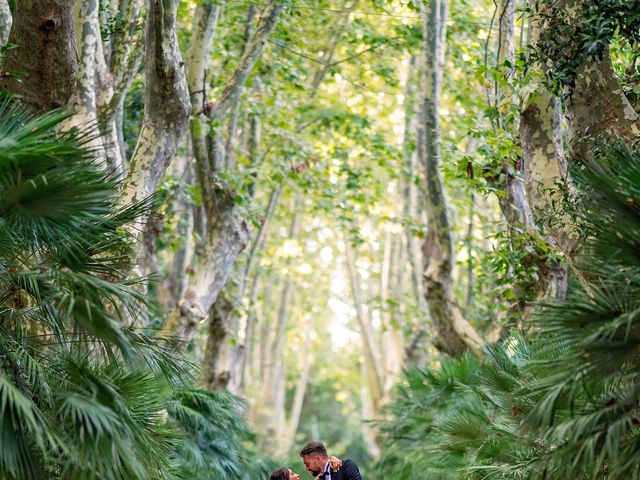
(49, 78)
(42, 68)
(226, 230)
(410, 207)
(595, 108)
(454, 333)
(514, 200)
(166, 104)
(373, 366)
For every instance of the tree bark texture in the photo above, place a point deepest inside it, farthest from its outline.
(514, 203)
(204, 28)
(392, 330)
(545, 166)
(84, 107)
(225, 238)
(545, 173)
(264, 357)
(251, 343)
(5, 21)
(42, 69)
(83, 104)
(166, 104)
(596, 107)
(227, 232)
(597, 104)
(454, 334)
(217, 357)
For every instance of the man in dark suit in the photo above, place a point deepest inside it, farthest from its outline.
(316, 461)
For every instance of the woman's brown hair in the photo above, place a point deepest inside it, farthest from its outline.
(280, 474)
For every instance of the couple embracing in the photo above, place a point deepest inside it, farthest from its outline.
(320, 465)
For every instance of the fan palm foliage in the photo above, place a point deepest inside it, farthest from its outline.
(217, 442)
(83, 395)
(562, 401)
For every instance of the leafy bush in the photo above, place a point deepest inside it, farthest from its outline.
(562, 401)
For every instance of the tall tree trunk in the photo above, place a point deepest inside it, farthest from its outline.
(454, 333)
(545, 171)
(84, 103)
(513, 201)
(230, 158)
(385, 314)
(260, 236)
(203, 31)
(392, 337)
(470, 261)
(410, 212)
(225, 238)
(597, 106)
(166, 104)
(175, 282)
(273, 386)
(247, 321)
(45, 56)
(265, 334)
(371, 354)
(95, 86)
(217, 357)
(301, 388)
(276, 415)
(251, 342)
(116, 71)
(285, 299)
(124, 61)
(5, 22)
(227, 232)
(368, 413)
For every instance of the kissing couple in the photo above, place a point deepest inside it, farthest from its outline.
(319, 464)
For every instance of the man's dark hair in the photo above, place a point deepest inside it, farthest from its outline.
(314, 448)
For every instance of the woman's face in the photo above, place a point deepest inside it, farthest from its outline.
(293, 476)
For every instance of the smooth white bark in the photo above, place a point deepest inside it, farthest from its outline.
(5, 21)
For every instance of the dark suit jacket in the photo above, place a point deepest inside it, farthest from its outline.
(348, 471)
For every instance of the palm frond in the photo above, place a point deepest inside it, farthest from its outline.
(563, 402)
(83, 396)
